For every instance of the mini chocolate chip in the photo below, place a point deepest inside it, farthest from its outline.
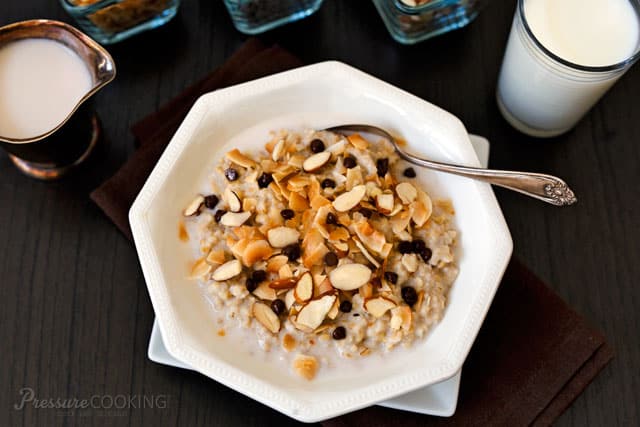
(356, 314)
(259, 276)
(345, 306)
(292, 251)
(339, 333)
(383, 167)
(349, 162)
(251, 285)
(211, 201)
(331, 259)
(367, 213)
(409, 173)
(278, 306)
(409, 295)
(426, 254)
(287, 213)
(405, 247)
(331, 218)
(231, 174)
(418, 246)
(264, 180)
(317, 146)
(391, 277)
(328, 183)
(218, 215)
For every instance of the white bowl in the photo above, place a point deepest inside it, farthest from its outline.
(315, 96)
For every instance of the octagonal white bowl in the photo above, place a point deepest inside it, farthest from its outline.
(315, 96)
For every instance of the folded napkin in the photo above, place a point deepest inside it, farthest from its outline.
(533, 355)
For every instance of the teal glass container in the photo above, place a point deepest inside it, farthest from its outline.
(257, 16)
(110, 21)
(411, 21)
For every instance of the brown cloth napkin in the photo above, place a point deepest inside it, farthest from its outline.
(533, 355)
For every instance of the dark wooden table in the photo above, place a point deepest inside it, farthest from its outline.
(75, 315)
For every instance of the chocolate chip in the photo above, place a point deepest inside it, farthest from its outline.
(391, 277)
(383, 167)
(292, 251)
(345, 306)
(418, 246)
(349, 162)
(367, 213)
(264, 180)
(218, 215)
(331, 219)
(426, 254)
(409, 295)
(278, 306)
(328, 183)
(251, 285)
(259, 276)
(287, 213)
(356, 314)
(231, 174)
(317, 146)
(405, 247)
(211, 201)
(339, 333)
(409, 173)
(331, 259)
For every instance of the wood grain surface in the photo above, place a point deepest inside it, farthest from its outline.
(75, 315)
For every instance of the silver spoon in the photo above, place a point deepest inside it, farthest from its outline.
(547, 188)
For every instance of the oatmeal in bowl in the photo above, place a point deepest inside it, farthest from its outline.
(322, 247)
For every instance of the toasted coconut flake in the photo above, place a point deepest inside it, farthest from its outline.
(200, 269)
(410, 262)
(338, 148)
(339, 233)
(296, 161)
(194, 207)
(216, 257)
(305, 366)
(266, 317)
(249, 204)
(285, 272)
(335, 310)
(420, 213)
(366, 253)
(288, 342)
(274, 263)
(384, 203)
(314, 312)
(298, 182)
(350, 199)
(366, 291)
(401, 318)
(406, 192)
(323, 288)
(240, 159)
(297, 202)
(289, 298)
(354, 177)
(348, 277)
(226, 271)
(278, 150)
(276, 191)
(358, 141)
(378, 306)
(255, 251)
(318, 201)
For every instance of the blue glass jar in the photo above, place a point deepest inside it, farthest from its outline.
(257, 16)
(110, 21)
(411, 21)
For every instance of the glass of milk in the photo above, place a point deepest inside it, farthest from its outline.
(561, 57)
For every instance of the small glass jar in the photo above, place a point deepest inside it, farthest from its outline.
(110, 21)
(257, 16)
(411, 21)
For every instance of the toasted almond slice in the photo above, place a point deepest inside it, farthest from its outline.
(358, 141)
(401, 318)
(278, 150)
(232, 199)
(366, 253)
(234, 219)
(335, 310)
(274, 264)
(350, 199)
(337, 148)
(354, 177)
(279, 237)
(298, 182)
(378, 306)
(323, 288)
(314, 312)
(406, 192)
(285, 272)
(256, 251)
(263, 291)
(216, 257)
(266, 317)
(227, 270)
(348, 277)
(193, 208)
(384, 203)
(366, 291)
(410, 262)
(396, 209)
(240, 159)
(342, 249)
(287, 283)
(289, 298)
(305, 366)
(304, 288)
(200, 268)
(316, 161)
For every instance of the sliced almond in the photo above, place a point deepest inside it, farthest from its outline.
(421, 211)
(410, 262)
(274, 264)
(193, 208)
(316, 161)
(406, 192)
(335, 310)
(200, 268)
(263, 291)
(366, 253)
(323, 288)
(366, 291)
(233, 219)
(384, 203)
(289, 298)
(304, 288)
(279, 237)
(396, 209)
(350, 199)
(337, 148)
(255, 251)
(232, 199)
(401, 318)
(285, 272)
(287, 283)
(266, 317)
(358, 141)
(348, 277)
(315, 311)
(227, 270)
(305, 366)
(278, 150)
(378, 306)
(240, 159)
(354, 177)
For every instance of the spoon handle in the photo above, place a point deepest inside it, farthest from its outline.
(547, 188)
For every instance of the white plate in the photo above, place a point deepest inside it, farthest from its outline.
(315, 96)
(438, 399)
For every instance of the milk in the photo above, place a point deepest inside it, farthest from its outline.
(542, 98)
(41, 81)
